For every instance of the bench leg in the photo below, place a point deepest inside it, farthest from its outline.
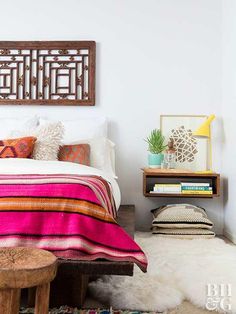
(84, 279)
(42, 299)
(31, 297)
(9, 301)
(69, 289)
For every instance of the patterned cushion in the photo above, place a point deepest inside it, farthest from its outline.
(190, 233)
(17, 148)
(79, 153)
(181, 216)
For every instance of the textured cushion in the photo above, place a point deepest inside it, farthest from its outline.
(48, 142)
(181, 216)
(17, 148)
(79, 154)
(189, 233)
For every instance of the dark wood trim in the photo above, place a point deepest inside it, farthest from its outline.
(179, 195)
(153, 172)
(52, 44)
(150, 173)
(48, 102)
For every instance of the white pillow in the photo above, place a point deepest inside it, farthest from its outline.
(81, 129)
(112, 152)
(9, 125)
(92, 131)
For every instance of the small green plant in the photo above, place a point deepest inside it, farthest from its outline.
(156, 142)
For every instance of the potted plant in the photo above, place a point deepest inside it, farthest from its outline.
(155, 146)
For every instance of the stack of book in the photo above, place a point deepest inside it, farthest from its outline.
(166, 188)
(196, 188)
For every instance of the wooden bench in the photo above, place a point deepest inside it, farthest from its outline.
(70, 285)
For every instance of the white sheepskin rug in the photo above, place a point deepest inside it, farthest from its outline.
(178, 270)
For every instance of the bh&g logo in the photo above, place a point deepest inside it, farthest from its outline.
(218, 297)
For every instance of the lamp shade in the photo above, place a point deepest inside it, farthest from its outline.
(204, 129)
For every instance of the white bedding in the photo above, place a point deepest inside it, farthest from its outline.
(31, 166)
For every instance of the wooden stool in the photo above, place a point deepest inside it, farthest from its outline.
(23, 267)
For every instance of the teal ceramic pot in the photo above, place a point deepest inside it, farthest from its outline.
(155, 160)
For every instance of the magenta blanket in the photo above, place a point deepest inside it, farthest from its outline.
(72, 216)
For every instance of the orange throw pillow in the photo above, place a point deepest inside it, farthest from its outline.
(79, 153)
(17, 148)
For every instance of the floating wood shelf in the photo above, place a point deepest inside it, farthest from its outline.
(153, 176)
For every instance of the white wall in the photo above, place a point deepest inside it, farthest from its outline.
(229, 116)
(153, 57)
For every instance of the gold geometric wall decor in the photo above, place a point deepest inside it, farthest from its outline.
(185, 144)
(47, 73)
(191, 153)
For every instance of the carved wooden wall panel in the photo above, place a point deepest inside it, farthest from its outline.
(47, 73)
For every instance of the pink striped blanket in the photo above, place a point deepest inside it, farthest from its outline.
(70, 215)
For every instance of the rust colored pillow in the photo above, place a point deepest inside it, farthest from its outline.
(17, 147)
(79, 153)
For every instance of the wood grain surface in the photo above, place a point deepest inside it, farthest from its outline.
(23, 267)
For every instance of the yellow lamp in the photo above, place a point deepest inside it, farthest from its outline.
(204, 131)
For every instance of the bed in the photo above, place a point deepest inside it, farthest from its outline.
(23, 197)
(67, 206)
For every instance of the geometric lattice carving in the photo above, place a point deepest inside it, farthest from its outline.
(185, 144)
(47, 73)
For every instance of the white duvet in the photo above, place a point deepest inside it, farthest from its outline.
(31, 166)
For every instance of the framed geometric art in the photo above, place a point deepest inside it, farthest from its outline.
(191, 153)
(47, 73)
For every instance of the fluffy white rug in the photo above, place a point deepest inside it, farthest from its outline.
(178, 270)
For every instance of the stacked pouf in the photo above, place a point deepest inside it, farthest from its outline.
(181, 221)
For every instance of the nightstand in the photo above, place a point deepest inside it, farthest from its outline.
(153, 176)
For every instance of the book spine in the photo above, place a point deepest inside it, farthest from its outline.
(196, 188)
(194, 184)
(165, 192)
(196, 192)
(167, 185)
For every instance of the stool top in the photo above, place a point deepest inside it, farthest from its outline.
(25, 258)
(22, 267)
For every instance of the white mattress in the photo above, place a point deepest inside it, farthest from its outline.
(31, 166)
